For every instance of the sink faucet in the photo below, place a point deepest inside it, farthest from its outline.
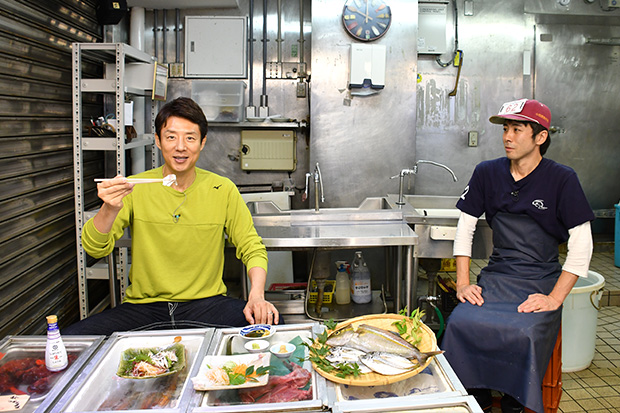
(414, 171)
(318, 185)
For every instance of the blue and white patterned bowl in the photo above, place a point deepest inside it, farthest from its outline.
(257, 331)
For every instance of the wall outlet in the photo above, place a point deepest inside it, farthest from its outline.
(301, 90)
(175, 69)
(472, 138)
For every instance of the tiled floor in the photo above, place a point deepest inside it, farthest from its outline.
(596, 389)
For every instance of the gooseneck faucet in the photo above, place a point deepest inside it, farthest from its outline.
(414, 171)
(318, 187)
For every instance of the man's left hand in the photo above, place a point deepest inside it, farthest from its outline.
(536, 303)
(261, 311)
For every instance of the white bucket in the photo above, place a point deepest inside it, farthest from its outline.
(579, 318)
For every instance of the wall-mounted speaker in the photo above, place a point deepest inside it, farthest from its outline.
(111, 12)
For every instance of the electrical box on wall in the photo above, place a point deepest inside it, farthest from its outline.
(367, 66)
(215, 47)
(268, 150)
(432, 24)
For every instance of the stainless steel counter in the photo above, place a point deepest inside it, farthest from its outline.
(351, 235)
(341, 229)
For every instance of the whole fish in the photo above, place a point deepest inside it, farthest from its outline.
(345, 355)
(371, 339)
(377, 363)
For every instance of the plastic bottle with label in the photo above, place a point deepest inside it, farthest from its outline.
(343, 285)
(55, 352)
(361, 291)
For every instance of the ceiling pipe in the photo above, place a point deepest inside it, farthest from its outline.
(250, 111)
(155, 23)
(263, 110)
(164, 30)
(136, 28)
(279, 39)
(301, 32)
(177, 27)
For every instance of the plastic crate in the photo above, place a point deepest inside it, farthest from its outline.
(328, 293)
(221, 101)
(448, 264)
(287, 287)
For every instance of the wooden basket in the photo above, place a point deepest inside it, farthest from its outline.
(384, 321)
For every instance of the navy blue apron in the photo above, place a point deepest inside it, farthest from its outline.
(493, 346)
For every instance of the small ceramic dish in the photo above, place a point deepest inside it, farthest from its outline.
(256, 346)
(282, 350)
(257, 331)
(255, 119)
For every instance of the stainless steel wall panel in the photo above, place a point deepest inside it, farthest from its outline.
(493, 40)
(221, 153)
(579, 82)
(361, 141)
(37, 262)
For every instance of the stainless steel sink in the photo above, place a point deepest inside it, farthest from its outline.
(434, 219)
(373, 209)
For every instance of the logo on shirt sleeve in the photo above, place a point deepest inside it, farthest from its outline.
(539, 204)
(465, 191)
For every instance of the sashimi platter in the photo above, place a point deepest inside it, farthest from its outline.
(374, 350)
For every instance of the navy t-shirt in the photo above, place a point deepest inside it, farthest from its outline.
(551, 194)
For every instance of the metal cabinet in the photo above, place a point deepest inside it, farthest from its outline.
(123, 87)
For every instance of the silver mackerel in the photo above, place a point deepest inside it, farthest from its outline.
(371, 339)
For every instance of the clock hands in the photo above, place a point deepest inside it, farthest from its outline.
(355, 10)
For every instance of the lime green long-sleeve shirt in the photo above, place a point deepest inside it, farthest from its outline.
(183, 260)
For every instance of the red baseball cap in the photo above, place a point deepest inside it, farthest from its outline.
(528, 110)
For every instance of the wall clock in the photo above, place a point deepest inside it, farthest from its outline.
(366, 20)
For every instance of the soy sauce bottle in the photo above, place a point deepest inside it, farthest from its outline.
(55, 353)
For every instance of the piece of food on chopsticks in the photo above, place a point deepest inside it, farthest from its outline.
(146, 363)
(221, 372)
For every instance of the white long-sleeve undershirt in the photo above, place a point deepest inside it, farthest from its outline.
(579, 244)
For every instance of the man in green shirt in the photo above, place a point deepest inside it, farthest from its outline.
(178, 237)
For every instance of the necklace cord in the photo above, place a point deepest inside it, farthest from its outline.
(175, 216)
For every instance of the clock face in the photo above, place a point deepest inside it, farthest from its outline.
(366, 20)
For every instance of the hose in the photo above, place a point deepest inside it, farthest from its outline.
(441, 322)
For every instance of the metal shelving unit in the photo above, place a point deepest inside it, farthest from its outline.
(119, 61)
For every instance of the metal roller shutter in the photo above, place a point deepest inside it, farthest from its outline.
(37, 228)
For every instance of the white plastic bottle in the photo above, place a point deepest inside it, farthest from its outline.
(361, 292)
(343, 287)
(55, 352)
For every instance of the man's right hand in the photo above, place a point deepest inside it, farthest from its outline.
(111, 192)
(471, 293)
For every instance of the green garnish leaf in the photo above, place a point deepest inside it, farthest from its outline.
(331, 324)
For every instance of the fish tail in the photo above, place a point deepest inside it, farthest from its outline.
(423, 357)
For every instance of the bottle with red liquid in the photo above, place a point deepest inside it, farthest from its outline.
(55, 353)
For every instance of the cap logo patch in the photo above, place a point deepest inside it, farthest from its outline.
(511, 108)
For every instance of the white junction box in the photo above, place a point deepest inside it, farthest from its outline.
(432, 22)
(215, 46)
(268, 150)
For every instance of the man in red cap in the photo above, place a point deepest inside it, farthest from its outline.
(502, 334)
